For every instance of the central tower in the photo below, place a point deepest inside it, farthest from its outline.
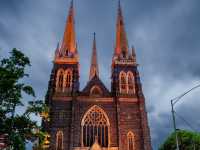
(95, 118)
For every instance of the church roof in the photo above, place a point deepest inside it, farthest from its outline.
(95, 86)
(95, 82)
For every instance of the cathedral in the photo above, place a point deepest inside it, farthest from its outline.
(95, 117)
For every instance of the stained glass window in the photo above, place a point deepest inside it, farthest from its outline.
(95, 124)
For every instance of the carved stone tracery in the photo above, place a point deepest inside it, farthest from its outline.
(95, 123)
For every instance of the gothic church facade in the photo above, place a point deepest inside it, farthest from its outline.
(96, 118)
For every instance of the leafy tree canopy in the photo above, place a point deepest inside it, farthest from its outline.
(187, 141)
(18, 128)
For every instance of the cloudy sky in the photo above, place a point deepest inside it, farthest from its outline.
(166, 35)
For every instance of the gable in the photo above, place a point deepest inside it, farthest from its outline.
(95, 88)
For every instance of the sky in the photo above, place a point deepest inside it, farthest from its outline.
(166, 36)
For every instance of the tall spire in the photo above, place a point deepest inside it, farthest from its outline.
(121, 39)
(69, 39)
(94, 69)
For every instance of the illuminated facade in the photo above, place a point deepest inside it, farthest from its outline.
(96, 118)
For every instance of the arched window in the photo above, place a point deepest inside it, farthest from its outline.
(131, 84)
(95, 124)
(130, 141)
(122, 82)
(68, 80)
(59, 80)
(59, 140)
(95, 91)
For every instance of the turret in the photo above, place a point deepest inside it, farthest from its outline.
(66, 60)
(124, 66)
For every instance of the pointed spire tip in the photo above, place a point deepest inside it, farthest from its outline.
(69, 39)
(119, 7)
(121, 39)
(94, 35)
(94, 69)
(72, 3)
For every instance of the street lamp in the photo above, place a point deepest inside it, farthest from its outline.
(173, 102)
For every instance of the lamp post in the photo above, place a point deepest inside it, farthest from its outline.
(174, 124)
(173, 102)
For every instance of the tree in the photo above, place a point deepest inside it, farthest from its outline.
(187, 141)
(18, 128)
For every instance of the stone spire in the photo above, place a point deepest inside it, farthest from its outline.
(69, 40)
(94, 69)
(121, 39)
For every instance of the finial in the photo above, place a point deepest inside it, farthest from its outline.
(94, 42)
(72, 3)
(71, 7)
(133, 50)
(57, 51)
(76, 49)
(58, 45)
(94, 35)
(94, 39)
(119, 7)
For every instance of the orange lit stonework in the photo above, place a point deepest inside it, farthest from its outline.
(95, 118)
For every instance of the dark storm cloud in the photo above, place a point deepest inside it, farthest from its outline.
(166, 35)
(172, 37)
(187, 110)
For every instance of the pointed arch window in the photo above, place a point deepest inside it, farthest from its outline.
(131, 84)
(95, 91)
(123, 83)
(59, 140)
(95, 124)
(130, 141)
(59, 80)
(68, 80)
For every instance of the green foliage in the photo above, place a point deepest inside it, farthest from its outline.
(19, 128)
(36, 107)
(187, 141)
